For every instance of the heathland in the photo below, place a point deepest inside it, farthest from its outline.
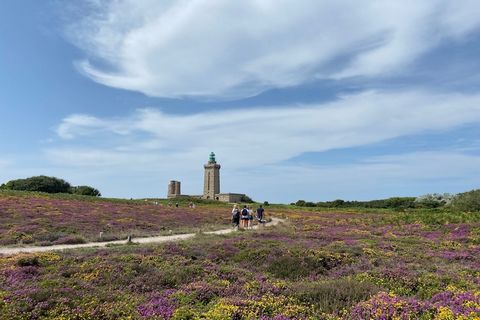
(321, 263)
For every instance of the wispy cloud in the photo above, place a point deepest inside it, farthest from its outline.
(274, 133)
(255, 142)
(220, 49)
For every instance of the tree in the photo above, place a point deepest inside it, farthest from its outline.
(246, 199)
(467, 201)
(39, 184)
(49, 185)
(86, 191)
(300, 203)
(400, 202)
(337, 203)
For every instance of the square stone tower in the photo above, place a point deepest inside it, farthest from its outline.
(174, 189)
(211, 181)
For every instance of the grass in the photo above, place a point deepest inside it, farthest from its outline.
(43, 219)
(330, 264)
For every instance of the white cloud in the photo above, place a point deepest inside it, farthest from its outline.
(276, 134)
(89, 125)
(151, 144)
(218, 49)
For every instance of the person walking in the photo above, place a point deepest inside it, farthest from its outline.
(244, 217)
(250, 217)
(260, 212)
(235, 216)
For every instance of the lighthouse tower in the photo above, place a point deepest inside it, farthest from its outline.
(211, 181)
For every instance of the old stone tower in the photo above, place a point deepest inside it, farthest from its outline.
(174, 189)
(211, 180)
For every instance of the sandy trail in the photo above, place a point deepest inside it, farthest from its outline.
(158, 239)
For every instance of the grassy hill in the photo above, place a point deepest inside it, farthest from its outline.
(318, 265)
(44, 219)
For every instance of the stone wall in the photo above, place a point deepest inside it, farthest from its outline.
(229, 197)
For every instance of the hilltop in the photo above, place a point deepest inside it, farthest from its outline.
(320, 264)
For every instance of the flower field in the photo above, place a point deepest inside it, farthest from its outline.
(318, 265)
(43, 219)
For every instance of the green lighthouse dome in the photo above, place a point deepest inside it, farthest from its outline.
(211, 159)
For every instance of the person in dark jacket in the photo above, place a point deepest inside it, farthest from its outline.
(260, 214)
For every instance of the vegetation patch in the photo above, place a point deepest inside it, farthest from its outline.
(419, 264)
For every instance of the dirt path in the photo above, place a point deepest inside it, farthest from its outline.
(158, 239)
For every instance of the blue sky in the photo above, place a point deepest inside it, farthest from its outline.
(313, 100)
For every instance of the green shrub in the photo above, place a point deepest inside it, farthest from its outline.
(298, 264)
(246, 199)
(338, 203)
(333, 295)
(39, 184)
(467, 201)
(48, 185)
(287, 267)
(28, 261)
(71, 240)
(300, 203)
(85, 191)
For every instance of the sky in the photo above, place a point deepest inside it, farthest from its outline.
(313, 100)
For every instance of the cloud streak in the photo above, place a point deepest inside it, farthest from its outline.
(253, 146)
(224, 49)
(276, 134)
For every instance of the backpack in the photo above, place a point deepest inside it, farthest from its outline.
(245, 212)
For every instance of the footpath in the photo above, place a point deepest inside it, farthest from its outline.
(158, 239)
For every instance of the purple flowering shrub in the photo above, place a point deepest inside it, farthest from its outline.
(318, 265)
(45, 219)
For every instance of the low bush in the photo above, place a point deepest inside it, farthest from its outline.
(246, 199)
(86, 191)
(467, 201)
(71, 240)
(333, 295)
(29, 261)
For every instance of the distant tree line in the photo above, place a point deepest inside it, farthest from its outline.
(466, 201)
(49, 185)
(396, 202)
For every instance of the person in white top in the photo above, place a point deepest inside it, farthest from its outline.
(235, 216)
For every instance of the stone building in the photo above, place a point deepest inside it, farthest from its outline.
(211, 185)
(174, 189)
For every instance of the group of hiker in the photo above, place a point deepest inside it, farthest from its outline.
(244, 218)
